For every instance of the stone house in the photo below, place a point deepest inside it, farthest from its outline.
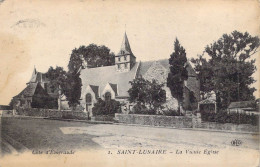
(38, 94)
(113, 81)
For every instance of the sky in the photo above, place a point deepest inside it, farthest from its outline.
(43, 33)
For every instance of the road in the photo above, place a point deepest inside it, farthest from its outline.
(42, 134)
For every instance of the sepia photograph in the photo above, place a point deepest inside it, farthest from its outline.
(129, 83)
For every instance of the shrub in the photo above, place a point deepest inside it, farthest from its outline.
(171, 112)
(108, 107)
(142, 109)
(225, 117)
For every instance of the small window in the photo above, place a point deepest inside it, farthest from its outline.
(125, 65)
(88, 98)
(125, 57)
(118, 58)
(107, 96)
(118, 66)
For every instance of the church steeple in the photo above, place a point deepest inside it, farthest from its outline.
(125, 59)
(125, 46)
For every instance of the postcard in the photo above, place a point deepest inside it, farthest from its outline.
(129, 83)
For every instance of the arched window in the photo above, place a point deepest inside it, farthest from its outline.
(107, 96)
(88, 98)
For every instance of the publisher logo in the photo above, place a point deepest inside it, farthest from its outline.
(236, 142)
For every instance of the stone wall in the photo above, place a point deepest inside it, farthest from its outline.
(50, 113)
(228, 127)
(155, 120)
(182, 122)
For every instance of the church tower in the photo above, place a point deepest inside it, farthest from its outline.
(125, 59)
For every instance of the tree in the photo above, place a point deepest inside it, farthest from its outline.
(229, 68)
(57, 84)
(73, 89)
(57, 77)
(147, 93)
(94, 56)
(178, 73)
(106, 107)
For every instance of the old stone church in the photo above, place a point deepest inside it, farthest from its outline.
(113, 81)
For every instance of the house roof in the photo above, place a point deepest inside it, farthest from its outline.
(38, 77)
(144, 66)
(30, 90)
(95, 90)
(242, 104)
(114, 87)
(100, 76)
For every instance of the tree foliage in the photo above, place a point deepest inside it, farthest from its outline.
(148, 93)
(57, 77)
(178, 73)
(226, 67)
(73, 89)
(106, 107)
(95, 56)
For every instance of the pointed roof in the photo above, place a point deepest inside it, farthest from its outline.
(95, 90)
(30, 90)
(114, 87)
(34, 75)
(125, 46)
(37, 77)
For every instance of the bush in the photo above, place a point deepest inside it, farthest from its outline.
(171, 112)
(142, 109)
(109, 107)
(235, 118)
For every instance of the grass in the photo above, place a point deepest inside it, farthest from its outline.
(45, 134)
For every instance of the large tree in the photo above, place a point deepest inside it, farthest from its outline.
(73, 89)
(57, 77)
(148, 93)
(226, 67)
(93, 56)
(178, 73)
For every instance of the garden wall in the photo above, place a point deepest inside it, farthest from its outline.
(182, 122)
(227, 127)
(51, 113)
(155, 120)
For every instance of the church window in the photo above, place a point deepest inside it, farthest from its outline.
(45, 86)
(107, 96)
(88, 98)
